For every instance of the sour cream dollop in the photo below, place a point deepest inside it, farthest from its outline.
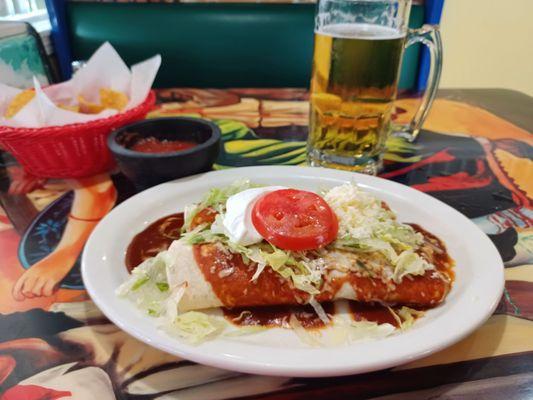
(237, 221)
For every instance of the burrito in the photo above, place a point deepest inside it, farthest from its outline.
(245, 247)
(216, 278)
(240, 248)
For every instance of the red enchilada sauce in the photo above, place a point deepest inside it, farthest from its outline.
(231, 280)
(154, 145)
(155, 238)
(159, 235)
(229, 288)
(277, 316)
(441, 259)
(373, 312)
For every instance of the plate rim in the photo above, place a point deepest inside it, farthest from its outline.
(231, 362)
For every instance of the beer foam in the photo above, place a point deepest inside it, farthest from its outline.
(360, 31)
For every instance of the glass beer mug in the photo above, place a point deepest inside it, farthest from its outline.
(358, 50)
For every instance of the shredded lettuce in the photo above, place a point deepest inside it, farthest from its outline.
(319, 310)
(308, 337)
(139, 282)
(408, 316)
(189, 212)
(278, 258)
(216, 199)
(286, 265)
(399, 235)
(195, 327)
(405, 316)
(200, 234)
(409, 263)
(344, 331)
(395, 316)
(362, 330)
(170, 312)
(147, 286)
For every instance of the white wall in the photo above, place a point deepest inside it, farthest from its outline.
(488, 43)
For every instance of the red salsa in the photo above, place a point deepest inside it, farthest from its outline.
(153, 145)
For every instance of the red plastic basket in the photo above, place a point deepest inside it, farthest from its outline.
(69, 151)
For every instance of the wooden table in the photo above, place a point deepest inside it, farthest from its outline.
(475, 154)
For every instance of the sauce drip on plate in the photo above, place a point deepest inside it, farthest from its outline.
(441, 259)
(277, 316)
(373, 312)
(155, 238)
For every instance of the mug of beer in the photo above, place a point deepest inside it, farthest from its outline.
(357, 57)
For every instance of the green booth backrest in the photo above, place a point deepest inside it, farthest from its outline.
(204, 44)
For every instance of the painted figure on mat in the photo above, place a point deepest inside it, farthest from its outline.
(93, 198)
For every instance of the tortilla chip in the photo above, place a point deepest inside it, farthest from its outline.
(73, 108)
(87, 107)
(112, 99)
(18, 102)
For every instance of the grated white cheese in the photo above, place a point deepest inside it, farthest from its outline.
(358, 212)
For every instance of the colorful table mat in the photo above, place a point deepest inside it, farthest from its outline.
(475, 154)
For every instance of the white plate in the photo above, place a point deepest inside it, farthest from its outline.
(476, 291)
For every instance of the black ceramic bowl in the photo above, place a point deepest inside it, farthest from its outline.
(149, 169)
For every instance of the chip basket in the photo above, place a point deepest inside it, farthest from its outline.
(69, 151)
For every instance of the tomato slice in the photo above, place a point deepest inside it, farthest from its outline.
(295, 220)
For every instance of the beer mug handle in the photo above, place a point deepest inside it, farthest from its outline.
(428, 35)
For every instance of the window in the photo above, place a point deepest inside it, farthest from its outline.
(32, 11)
(21, 9)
